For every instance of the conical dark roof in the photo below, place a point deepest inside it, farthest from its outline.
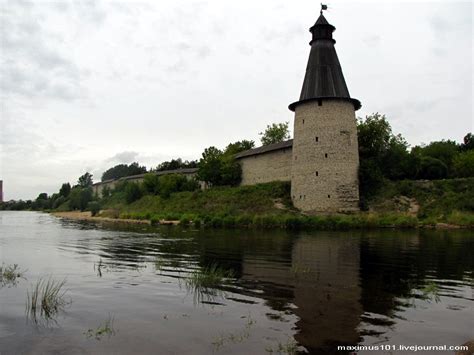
(324, 78)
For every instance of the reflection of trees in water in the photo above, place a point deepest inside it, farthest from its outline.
(330, 280)
(394, 263)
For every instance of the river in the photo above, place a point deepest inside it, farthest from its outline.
(286, 291)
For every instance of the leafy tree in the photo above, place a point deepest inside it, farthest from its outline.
(151, 183)
(42, 196)
(94, 207)
(133, 192)
(210, 166)
(218, 167)
(275, 133)
(59, 201)
(42, 202)
(442, 150)
(85, 180)
(382, 154)
(432, 169)
(468, 142)
(463, 164)
(106, 191)
(240, 146)
(65, 189)
(122, 170)
(175, 164)
(79, 198)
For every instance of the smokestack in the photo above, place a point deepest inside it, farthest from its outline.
(1, 190)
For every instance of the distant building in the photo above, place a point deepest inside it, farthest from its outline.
(322, 160)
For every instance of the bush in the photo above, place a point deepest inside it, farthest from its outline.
(79, 198)
(151, 183)
(169, 184)
(432, 169)
(133, 192)
(464, 164)
(94, 207)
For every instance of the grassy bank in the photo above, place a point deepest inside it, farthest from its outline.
(403, 204)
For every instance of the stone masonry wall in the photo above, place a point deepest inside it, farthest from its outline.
(270, 166)
(324, 175)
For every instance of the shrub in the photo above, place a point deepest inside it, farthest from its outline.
(432, 169)
(79, 198)
(94, 207)
(133, 192)
(151, 183)
(464, 164)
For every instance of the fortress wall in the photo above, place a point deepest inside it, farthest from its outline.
(98, 188)
(270, 166)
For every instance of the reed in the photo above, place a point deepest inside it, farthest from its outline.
(46, 298)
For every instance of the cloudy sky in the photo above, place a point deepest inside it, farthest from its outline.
(85, 85)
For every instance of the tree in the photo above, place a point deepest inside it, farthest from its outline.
(65, 189)
(210, 166)
(218, 167)
(432, 169)
(444, 150)
(133, 192)
(42, 196)
(151, 183)
(122, 170)
(468, 142)
(275, 133)
(80, 197)
(463, 164)
(85, 180)
(239, 146)
(175, 164)
(382, 154)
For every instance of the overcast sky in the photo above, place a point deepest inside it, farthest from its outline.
(86, 85)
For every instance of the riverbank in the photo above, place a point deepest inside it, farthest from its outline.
(339, 222)
(87, 216)
(441, 204)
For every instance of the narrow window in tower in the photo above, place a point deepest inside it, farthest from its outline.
(326, 155)
(320, 102)
(317, 139)
(296, 157)
(303, 120)
(329, 196)
(317, 173)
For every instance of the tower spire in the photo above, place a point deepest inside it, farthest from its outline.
(324, 78)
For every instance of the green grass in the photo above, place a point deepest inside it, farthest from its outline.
(9, 275)
(104, 329)
(46, 299)
(211, 276)
(400, 204)
(222, 201)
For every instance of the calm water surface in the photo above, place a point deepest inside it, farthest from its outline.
(314, 289)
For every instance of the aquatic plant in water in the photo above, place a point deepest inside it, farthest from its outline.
(204, 282)
(104, 329)
(9, 275)
(290, 348)
(211, 276)
(234, 338)
(431, 292)
(46, 299)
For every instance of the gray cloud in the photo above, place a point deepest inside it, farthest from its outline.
(123, 157)
(30, 66)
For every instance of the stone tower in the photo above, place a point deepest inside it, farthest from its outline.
(324, 173)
